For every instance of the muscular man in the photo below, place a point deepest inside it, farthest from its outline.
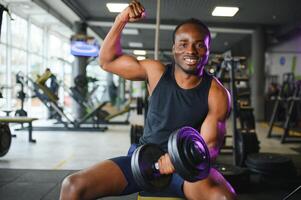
(181, 94)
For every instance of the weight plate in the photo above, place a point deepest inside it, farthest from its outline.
(189, 154)
(132, 134)
(144, 172)
(20, 113)
(271, 164)
(136, 132)
(247, 143)
(5, 139)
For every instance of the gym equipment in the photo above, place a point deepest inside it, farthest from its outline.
(21, 120)
(290, 112)
(289, 95)
(270, 164)
(80, 93)
(188, 153)
(273, 87)
(50, 101)
(244, 137)
(247, 143)
(5, 139)
(157, 195)
(246, 117)
(145, 169)
(109, 112)
(21, 95)
(136, 132)
(292, 193)
(140, 105)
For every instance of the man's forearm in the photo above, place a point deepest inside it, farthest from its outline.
(111, 46)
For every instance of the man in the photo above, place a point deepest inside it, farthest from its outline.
(181, 94)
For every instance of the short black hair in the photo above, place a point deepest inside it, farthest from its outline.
(192, 21)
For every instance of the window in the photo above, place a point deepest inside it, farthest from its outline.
(19, 32)
(54, 45)
(35, 66)
(36, 40)
(2, 64)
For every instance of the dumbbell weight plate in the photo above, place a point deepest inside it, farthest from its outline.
(144, 173)
(189, 154)
(5, 139)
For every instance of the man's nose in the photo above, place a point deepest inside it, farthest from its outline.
(191, 49)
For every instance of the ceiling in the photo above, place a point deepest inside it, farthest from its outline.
(281, 19)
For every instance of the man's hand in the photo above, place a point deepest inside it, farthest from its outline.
(134, 12)
(165, 165)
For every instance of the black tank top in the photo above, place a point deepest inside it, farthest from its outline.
(171, 107)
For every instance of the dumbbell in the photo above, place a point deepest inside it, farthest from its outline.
(189, 155)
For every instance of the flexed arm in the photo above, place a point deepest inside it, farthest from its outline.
(111, 57)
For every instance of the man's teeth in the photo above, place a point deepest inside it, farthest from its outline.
(189, 60)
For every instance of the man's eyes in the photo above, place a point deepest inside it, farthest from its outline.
(198, 46)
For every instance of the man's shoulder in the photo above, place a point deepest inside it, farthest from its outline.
(217, 89)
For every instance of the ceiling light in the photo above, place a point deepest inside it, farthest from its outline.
(116, 7)
(130, 31)
(135, 44)
(139, 52)
(140, 57)
(213, 35)
(224, 11)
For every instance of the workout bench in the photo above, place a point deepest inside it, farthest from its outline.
(21, 120)
(157, 198)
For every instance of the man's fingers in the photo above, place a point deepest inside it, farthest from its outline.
(136, 10)
(165, 165)
(139, 7)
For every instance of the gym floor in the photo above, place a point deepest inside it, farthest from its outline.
(35, 170)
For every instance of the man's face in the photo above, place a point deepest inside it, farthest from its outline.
(191, 48)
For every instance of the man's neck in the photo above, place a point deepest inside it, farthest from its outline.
(185, 80)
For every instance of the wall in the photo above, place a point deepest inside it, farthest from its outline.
(283, 58)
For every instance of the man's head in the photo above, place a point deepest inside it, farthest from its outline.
(191, 41)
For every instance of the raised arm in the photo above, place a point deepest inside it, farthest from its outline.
(213, 128)
(111, 58)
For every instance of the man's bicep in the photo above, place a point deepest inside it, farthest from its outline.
(127, 67)
(213, 131)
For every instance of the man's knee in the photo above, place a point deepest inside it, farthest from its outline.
(213, 194)
(220, 193)
(72, 186)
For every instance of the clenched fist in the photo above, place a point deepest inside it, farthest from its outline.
(134, 12)
(165, 165)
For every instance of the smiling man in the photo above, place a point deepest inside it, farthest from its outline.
(181, 94)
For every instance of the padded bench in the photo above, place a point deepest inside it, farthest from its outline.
(157, 198)
(145, 195)
(21, 120)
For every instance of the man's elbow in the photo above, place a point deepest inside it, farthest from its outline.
(213, 151)
(103, 62)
